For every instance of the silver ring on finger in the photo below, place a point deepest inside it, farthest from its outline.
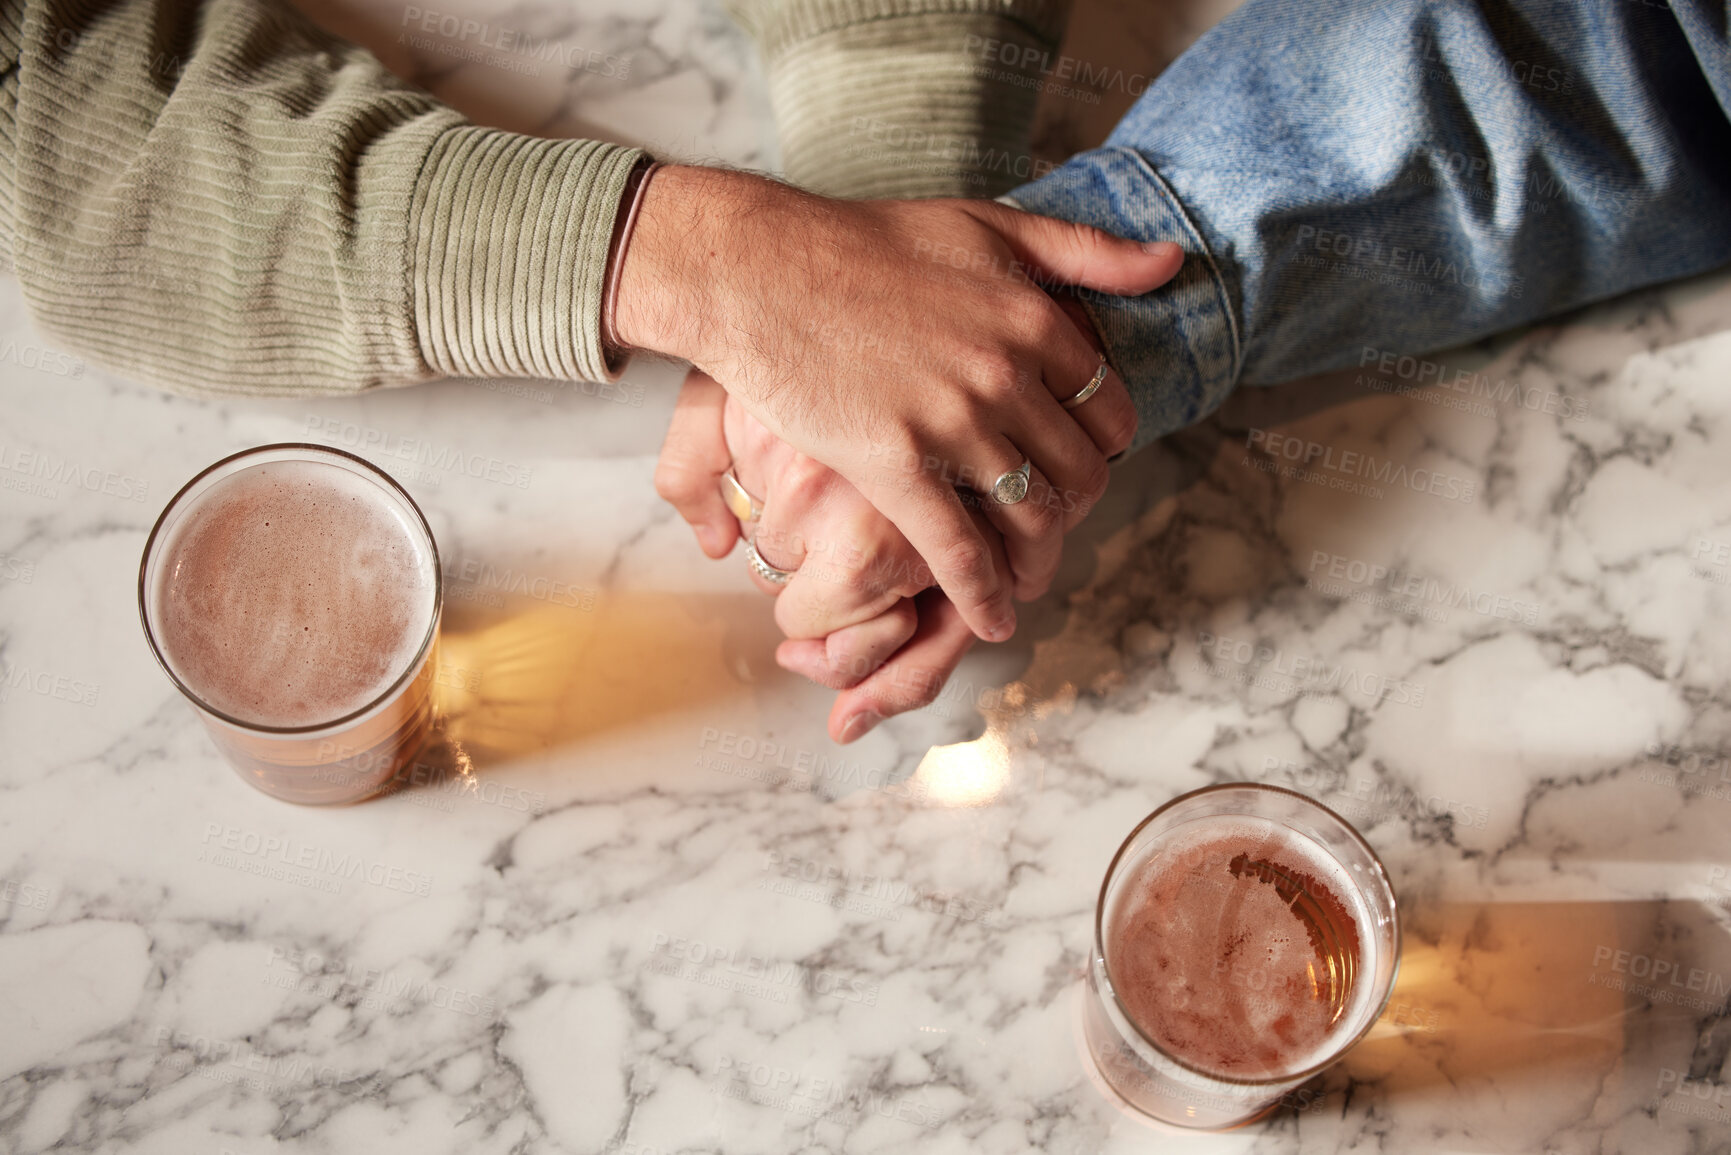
(1092, 387)
(1012, 486)
(775, 577)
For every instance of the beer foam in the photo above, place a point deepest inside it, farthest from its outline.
(1221, 947)
(293, 593)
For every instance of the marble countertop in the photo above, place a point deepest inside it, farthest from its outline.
(668, 915)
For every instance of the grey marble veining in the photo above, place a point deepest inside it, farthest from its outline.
(666, 915)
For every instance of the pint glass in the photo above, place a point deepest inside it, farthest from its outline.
(291, 593)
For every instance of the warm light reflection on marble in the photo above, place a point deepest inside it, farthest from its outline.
(536, 677)
(967, 773)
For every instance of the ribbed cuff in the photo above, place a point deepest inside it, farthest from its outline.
(905, 98)
(510, 237)
(1177, 348)
(777, 24)
(910, 107)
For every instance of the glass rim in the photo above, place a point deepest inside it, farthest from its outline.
(389, 692)
(1295, 1077)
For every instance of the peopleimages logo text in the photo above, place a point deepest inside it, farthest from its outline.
(36, 357)
(1314, 455)
(46, 472)
(964, 151)
(834, 885)
(1269, 667)
(761, 759)
(315, 859)
(66, 689)
(1370, 253)
(445, 457)
(312, 973)
(487, 578)
(1419, 589)
(509, 40)
(1431, 374)
(1661, 980)
(1028, 58)
(729, 968)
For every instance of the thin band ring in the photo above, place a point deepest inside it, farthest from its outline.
(739, 502)
(1091, 387)
(775, 577)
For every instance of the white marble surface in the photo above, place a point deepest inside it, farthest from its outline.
(607, 946)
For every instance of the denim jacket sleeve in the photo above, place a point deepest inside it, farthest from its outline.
(1401, 175)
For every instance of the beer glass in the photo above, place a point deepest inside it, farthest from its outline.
(321, 760)
(1245, 938)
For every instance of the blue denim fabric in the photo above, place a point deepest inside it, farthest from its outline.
(1401, 175)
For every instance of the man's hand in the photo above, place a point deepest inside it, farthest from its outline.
(848, 329)
(850, 610)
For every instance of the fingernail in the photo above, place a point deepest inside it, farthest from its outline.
(1002, 631)
(1158, 248)
(859, 725)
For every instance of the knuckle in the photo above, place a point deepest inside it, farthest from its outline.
(862, 580)
(1085, 241)
(1120, 429)
(802, 479)
(845, 671)
(758, 439)
(996, 370)
(1042, 514)
(827, 678)
(1096, 473)
(872, 697)
(776, 545)
(876, 600)
(895, 463)
(844, 580)
(899, 573)
(923, 690)
(1036, 314)
(790, 620)
(913, 583)
(674, 482)
(968, 563)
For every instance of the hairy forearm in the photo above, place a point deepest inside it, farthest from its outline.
(681, 255)
(712, 269)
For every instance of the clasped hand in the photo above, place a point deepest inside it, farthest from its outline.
(907, 345)
(860, 610)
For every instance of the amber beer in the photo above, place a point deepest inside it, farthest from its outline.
(292, 593)
(1245, 938)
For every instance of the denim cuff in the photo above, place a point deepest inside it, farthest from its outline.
(1177, 348)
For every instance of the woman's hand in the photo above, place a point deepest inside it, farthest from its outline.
(850, 609)
(911, 678)
(906, 345)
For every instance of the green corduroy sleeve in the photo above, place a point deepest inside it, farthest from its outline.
(905, 98)
(218, 197)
